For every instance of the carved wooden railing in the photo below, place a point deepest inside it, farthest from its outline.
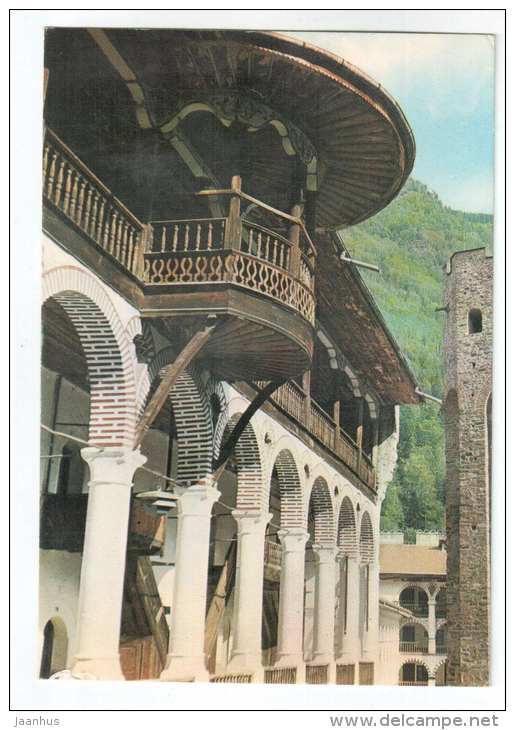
(412, 647)
(417, 609)
(316, 673)
(272, 562)
(233, 678)
(345, 673)
(412, 684)
(283, 675)
(292, 399)
(71, 187)
(227, 266)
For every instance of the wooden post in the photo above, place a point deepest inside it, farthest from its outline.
(232, 239)
(359, 431)
(306, 386)
(336, 419)
(294, 237)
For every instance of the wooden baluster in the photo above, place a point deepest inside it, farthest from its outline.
(163, 239)
(175, 237)
(220, 243)
(74, 195)
(123, 251)
(112, 231)
(119, 229)
(274, 248)
(186, 237)
(94, 212)
(51, 176)
(99, 239)
(260, 245)
(67, 190)
(87, 209)
(80, 201)
(59, 183)
(130, 249)
(46, 154)
(251, 239)
(209, 236)
(197, 238)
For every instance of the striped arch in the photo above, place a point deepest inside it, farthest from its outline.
(292, 509)
(366, 539)
(323, 512)
(420, 662)
(346, 537)
(192, 419)
(107, 350)
(251, 493)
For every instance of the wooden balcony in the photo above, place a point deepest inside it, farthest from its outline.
(256, 279)
(412, 647)
(294, 401)
(63, 522)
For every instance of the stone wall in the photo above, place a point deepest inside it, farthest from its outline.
(468, 376)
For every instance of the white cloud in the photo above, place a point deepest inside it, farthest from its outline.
(410, 62)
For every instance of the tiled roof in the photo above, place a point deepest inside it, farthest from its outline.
(412, 560)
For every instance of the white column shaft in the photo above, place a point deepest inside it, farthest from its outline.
(431, 626)
(248, 597)
(324, 604)
(349, 630)
(291, 598)
(188, 613)
(103, 562)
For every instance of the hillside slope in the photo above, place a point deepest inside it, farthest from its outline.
(410, 241)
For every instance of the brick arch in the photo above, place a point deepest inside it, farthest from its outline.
(192, 418)
(366, 539)
(413, 585)
(323, 512)
(251, 493)
(418, 661)
(347, 529)
(112, 419)
(292, 508)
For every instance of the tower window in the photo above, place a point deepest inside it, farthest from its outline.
(475, 321)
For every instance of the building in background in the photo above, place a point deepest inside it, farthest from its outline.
(412, 610)
(220, 391)
(467, 411)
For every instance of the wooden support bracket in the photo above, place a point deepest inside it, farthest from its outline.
(165, 386)
(227, 449)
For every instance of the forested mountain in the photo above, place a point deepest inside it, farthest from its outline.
(410, 241)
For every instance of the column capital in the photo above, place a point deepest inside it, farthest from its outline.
(197, 500)
(325, 553)
(251, 521)
(112, 464)
(293, 539)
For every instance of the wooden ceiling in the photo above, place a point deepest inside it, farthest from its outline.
(112, 93)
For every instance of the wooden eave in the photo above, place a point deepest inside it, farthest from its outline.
(347, 311)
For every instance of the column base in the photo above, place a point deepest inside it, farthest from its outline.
(327, 659)
(185, 669)
(245, 664)
(107, 668)
(293, 660)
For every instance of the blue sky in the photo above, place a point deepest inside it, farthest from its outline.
(445, 86)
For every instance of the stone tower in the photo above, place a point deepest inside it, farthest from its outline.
(467, 414)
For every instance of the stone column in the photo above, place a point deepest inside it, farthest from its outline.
(431, 681)
(185, 660)
(248, 596)
(323, 628)
(348, 631)
(431, 626)
(371, 636)
(291, 600)
(103, 561)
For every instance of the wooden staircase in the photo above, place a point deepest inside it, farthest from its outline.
(144, 641)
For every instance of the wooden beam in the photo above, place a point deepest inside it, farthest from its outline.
(165, 386)
(227, 449)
